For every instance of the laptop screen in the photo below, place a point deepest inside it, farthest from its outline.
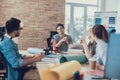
(112, 67)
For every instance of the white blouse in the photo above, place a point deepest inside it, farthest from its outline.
(101, 52)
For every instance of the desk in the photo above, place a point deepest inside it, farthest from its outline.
(85, 67)
(88, 75)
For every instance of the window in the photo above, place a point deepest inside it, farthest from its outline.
(93, 2)
(79, 17)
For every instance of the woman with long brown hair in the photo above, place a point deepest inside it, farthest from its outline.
(89, 48)
(100, 36)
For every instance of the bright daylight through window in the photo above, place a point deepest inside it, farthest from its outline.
(79, 17)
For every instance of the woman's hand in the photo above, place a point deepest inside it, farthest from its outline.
(100, 67)
(82, 41)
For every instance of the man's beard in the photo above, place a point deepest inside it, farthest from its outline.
(62, 33)
(17, 35)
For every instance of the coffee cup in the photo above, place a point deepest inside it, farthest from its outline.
(92, 63)
(42, 54)
(46, 51)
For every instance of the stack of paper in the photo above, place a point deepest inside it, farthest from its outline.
(51, 60)
(24, 52)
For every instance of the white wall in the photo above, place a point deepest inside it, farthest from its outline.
(114, 5)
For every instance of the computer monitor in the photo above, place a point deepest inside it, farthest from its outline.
(112, 67)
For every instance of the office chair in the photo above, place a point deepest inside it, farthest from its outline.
(49, 43)
(3, 73)
(3, 64)
(112, 67)
(52, 33)
(2, 30)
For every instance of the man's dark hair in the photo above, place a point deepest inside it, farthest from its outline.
(59, 24)
(12, 25)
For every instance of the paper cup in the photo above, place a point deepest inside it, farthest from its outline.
(92, 63)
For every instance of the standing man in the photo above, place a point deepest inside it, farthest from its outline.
(61, 40)
(11, 52)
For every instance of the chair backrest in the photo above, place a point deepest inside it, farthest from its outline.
(49, 43)
(52, 33)
(3, 58)
(2, 30)
(4, 63)
(112, 67)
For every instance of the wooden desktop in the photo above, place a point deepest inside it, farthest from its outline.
(84, 67)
